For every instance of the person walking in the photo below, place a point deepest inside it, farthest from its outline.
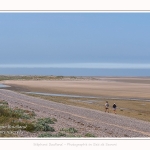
(114, 107)
(106, 107)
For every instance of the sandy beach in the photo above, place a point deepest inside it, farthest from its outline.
(110, 87)
(86, 114)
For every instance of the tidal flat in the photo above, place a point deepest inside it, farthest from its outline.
(131, 94)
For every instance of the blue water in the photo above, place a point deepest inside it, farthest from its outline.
(62, 95)
(75, 72)
(3, 86)
(78, 96)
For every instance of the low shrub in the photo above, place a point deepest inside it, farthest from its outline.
(60, 134)
(42, 124)
(52, 135)
(14, 113)
(69, 130)
(43, 127)
(46, 120)
(45, 135)
(89, 135)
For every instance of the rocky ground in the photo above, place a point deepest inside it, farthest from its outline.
(97, 123)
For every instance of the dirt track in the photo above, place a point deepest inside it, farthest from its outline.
(99, 123)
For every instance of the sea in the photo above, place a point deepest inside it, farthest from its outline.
(127, 72)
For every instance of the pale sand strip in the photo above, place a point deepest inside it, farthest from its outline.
(105, 87)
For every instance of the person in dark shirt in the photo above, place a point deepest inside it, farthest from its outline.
(114, 107)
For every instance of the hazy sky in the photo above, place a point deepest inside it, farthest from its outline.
(45, 38)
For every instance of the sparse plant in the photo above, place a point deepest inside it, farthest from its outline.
(46, 120)
(72, 130)
(60, 134)
(69, 130)
(43, 125)
(59, 77)
(54, 119)
(45, 135)
(30, 127)
(125, 135)
(89, 135)
(2, 102)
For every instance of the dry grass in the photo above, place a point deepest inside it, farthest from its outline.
(135, 109)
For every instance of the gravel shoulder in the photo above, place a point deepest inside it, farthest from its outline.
(85, 120)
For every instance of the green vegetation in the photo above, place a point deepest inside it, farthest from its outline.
(34, 77)
(65, 132)
(69, 130)
(47, 120)
(3, 77)
(6, 112)
(18, 119)
(89, 135)
(43, 125)
(14, 120)
(52, 135)
(46, 135)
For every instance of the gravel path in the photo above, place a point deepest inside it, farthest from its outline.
(85, 120)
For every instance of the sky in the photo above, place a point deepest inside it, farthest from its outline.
(74, 38)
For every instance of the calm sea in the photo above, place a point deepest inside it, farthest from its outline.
(75, 71)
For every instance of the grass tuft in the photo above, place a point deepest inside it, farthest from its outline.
(45, 135)
(89, 135)
(69, 130)
(43, 125)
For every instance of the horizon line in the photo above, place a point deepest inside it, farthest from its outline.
(81, 65)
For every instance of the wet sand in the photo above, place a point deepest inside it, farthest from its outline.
(110, 87)
(131, 95)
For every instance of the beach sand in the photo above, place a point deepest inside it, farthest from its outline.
(131, 94)
(102, 86)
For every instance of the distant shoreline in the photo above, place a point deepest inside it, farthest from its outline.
(131, 87)
(72, 76)
(78, 72)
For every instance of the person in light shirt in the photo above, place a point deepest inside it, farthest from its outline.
(106, 107)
